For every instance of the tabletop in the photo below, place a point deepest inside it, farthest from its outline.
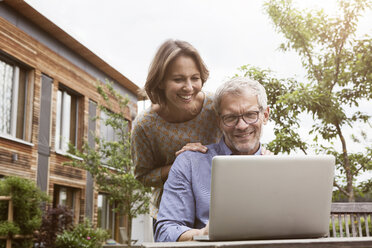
(281, 243)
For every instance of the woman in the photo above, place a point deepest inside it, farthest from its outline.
(180, 118)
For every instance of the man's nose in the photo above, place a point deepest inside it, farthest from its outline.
(241, 123)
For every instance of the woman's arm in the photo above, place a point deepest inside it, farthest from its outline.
(143, 159)
(164, 172)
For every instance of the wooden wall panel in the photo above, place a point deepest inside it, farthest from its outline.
(14, 42)
(42, 60)
(24, 166)
(65, 174)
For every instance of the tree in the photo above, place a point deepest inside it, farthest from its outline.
(339, 75)
(110, 162)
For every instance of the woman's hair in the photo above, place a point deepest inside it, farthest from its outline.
(167, 53)
(236, 86)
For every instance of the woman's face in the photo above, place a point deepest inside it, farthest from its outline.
(182, 83)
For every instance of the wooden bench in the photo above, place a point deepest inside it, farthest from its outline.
(351, 216)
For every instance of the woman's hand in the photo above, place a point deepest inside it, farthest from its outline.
(197, 147)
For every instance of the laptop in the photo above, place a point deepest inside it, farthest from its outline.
(270, 197)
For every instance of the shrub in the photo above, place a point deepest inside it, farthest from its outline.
(18, 243)
(27, 200)
(8, 228)
(54, 222)
(82, 236)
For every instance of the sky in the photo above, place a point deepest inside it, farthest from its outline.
(227, 33)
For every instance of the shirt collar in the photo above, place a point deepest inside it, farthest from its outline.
(224, 150)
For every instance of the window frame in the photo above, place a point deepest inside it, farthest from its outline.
(113, 220)
(75, 195)
(20, 117)
(67, 100)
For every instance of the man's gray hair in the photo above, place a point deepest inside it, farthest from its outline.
(236, 86)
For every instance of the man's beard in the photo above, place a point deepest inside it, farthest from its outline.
(249, 147)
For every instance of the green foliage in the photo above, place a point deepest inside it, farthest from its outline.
(110, 161)
(22, 243)
(285, 116)
(27, 199)
(82, 236)
(366, 188)
(18, 243)
(339, 75)
(8, 228)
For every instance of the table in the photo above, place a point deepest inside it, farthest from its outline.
(281, 243)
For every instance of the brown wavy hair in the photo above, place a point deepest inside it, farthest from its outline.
(166, 54)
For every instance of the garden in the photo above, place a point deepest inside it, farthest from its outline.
(27, 219)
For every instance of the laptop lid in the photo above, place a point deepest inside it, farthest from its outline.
(270, 197)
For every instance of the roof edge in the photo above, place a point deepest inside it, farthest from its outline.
(59, 34)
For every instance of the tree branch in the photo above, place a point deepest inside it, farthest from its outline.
(340, 188)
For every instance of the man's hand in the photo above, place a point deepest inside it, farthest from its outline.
(197, 147)
(189, 235)
(264, 151)
(205, 230)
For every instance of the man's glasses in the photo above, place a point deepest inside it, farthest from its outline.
(248, 117)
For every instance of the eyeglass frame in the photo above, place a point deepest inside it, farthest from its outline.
(241, 117)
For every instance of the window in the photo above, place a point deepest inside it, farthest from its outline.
(67, 196)
(106, 131)
(105, 213)
(15, 96)
(67, 120)
(108, 219)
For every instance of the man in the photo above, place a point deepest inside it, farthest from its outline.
(241, 106)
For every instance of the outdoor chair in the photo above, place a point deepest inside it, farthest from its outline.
(351, 219)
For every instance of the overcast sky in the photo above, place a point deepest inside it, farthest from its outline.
(227, 33)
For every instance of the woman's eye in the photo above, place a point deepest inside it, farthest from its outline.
(178, 79)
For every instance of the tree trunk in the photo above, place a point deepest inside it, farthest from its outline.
(129, 231)
(348, 172)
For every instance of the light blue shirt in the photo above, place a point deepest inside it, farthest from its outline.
(185, 201)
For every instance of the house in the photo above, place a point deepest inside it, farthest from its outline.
(47, 99)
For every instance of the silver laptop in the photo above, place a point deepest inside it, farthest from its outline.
(270, 197)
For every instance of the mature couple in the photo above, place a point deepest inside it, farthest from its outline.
(167, 138)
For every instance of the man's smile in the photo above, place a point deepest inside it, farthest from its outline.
(244, 134)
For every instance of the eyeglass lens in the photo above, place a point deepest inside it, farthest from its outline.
(232, 120)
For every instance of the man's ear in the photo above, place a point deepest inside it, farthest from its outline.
(266, 115)
(219, 122)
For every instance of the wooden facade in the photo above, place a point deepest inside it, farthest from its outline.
(46, 52)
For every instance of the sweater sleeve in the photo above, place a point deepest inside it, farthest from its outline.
(143, 159)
